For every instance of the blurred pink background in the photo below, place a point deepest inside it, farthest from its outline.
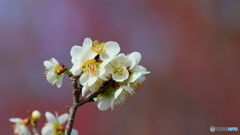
(191, 47)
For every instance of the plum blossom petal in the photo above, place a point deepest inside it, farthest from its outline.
(134, 76)
(84, 78)
(63, 118)
(50, 117)
(104, 103)
(104, 56)
(54, 72)
(77, 51)
(135, 57)
(84, 90)
(20, 126)
(54, 125)
(15, 120)
(74, 132)
(47, 130)
(112, 48)
(59, 81)
(140, 69)
(92, 80)
(118, 92)
(87, 43)
(55, 61)
(48, 64)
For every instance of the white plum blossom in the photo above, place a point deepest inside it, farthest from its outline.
(116, 95)
(96, 85)
(79, 56)
(128, 76)
(118, 68)
(54, 72)
(54, 126)
(135, 85)
(20, 126)
(104, 50)
(93, 74)
(98, 65)
(93, 71)
(136, 71)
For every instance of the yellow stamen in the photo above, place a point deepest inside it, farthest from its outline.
(120, 68)
(98, 48)
(90, 66)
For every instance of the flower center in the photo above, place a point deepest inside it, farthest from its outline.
(90, 66)
(61, 128)
(58, 129)
(56, 69)
(25, 121)
(119, 68)
(98, 48)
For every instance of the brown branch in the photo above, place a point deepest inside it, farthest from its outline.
(76, 102)
(91, 97)
(69, 126)
(76, 95)
(74, 107)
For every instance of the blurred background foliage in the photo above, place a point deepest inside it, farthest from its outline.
(191, 47)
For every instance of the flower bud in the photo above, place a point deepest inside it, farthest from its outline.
(36, 115)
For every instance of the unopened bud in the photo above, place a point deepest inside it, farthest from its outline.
(36, 115)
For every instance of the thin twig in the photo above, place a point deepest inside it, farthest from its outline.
(73, 108)
(91, 97)
(76, 102)
(69, 126)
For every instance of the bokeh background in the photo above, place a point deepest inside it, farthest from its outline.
(191, 47)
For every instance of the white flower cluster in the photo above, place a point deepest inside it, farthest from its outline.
(53, 72)
(101, 65)
(20, 127)
(54, 125)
